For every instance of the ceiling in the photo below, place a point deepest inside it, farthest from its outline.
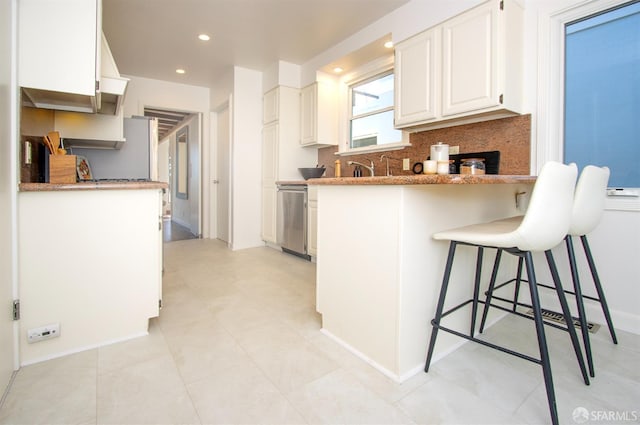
(152, 38)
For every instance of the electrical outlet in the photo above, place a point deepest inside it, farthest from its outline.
(27, 153)
(45, 332)
(406, 164)
(454, 150)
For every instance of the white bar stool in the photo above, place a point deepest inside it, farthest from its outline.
(544, 226)
(588, 207)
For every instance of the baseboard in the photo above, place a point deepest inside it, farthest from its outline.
(622, 320)
(81, 349)
(386, 372)
(8, 388)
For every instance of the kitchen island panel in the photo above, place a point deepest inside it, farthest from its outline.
(379, 271)
(90, 261)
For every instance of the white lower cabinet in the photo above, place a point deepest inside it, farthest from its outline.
(97, 272)
(269, 190)
(269, 208)
(312, 221)
(469, 68)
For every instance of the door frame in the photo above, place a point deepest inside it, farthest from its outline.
(214, 156)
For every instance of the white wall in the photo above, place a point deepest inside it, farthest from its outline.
(8, 181)
(247, 152)
(143, 92)
(281, 73)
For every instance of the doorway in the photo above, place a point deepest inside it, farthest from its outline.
(178, 153)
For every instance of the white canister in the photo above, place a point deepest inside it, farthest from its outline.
(430, 166)
(443, 167)
(440, 152)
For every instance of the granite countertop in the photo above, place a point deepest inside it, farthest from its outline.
(292, 182)
(99, 185)
(424, 179)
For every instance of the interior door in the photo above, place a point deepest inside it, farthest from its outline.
(223, 212)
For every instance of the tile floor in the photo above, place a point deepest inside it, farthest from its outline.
(238, 342)
(172, 231)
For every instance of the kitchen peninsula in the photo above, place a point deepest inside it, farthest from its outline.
(90, 260)
(378, 269)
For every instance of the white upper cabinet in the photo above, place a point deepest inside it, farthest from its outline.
(416, 76)
(477, 69)
(59, 53)
(270, 106)
(319, 114)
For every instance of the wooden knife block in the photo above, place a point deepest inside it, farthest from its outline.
(62, 169)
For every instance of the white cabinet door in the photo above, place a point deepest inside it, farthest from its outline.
(270, 153)
(270, 106)
(312, 221)
(59, 49)
(319, 114)
(308, 114)
(470, 60)
(269, 176)
(269, 209)
(416, 74)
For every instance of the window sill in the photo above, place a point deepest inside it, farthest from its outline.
(614, 203)
(377, 148)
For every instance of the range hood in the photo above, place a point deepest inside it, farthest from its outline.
(112, 87)
(111, 94)
(108, 97)
(47, 99)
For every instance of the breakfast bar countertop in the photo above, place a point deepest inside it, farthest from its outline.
(94, 185)
(419, 179)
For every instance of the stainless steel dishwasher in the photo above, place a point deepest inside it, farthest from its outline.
(292, 219)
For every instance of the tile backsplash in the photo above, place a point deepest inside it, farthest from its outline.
(511, 136)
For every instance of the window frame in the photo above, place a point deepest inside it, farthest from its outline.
(370, 71)
(549, 141)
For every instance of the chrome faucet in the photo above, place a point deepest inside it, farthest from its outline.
(370, 168)
(387, 158)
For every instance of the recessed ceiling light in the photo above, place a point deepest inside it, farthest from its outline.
(337, 70)
(388, 44)
(180, 71)
(204, 37)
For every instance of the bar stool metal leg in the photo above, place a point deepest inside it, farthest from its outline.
(566, 313)
(476, 291)
(542, 340)
(599, 290)
(492, 284)
(582, 317)
(443, 292)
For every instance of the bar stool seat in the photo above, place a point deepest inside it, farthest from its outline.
(544, 226)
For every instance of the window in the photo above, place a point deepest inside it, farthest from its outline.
(371, 112)
(602, 93)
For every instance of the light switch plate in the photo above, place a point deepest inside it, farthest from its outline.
(406, 164)
(454, 150)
